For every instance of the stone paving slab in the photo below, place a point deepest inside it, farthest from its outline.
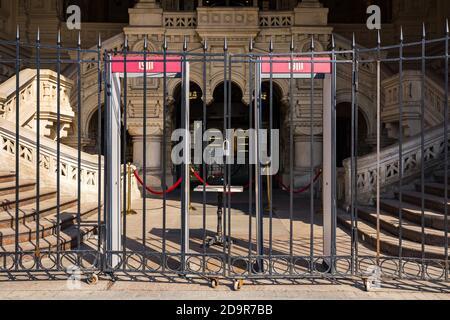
(107, 290)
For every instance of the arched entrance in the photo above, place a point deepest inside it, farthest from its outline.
(240, 119)
(94, 134)
(344, 133)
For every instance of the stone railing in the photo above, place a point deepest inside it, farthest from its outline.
(180, 19)
(276, 19)
(434, 97)
(434, 146)
(48, 101)
(89, 173)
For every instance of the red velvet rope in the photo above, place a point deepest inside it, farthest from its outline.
(172, 188)
(197, 176)
(301, 190)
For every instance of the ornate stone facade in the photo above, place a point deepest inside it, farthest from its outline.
(157, 19)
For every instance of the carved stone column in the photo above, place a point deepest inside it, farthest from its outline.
(153, 152)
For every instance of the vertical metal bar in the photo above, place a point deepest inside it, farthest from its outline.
(333, 157)
(353, 159)
(204, 128)
(99, 141)
(291, 157)
(400, 155)
(311, 150)
(17, 151)
(258, 197)
(164, 157)
(106, 233)
(225, 124)
(230, 143)
(79, 142)
(356, 135)
(58, 150)
(422, 147)
(124, 151)
(144, 159)
(270, 180)
(38, 141)
(186, 162)
(446, 151)
(250, 166)
(378, 144)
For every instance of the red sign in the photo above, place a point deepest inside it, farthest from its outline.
(154, 65)
(300, 66)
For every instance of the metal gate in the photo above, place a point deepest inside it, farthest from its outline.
(198, 217)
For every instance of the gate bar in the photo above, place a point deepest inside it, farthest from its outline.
(112, 166)
(187, 160)
(258, 200)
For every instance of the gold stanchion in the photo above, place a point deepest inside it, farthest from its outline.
(269, 195)
(129, 210)
(191, 207)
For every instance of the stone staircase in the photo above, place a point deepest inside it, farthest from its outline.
(48, 223)
(433, 235)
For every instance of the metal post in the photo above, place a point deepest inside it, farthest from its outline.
(112, 167)
(328, 163)
(258, 198)
(378, 144)
(186, 163)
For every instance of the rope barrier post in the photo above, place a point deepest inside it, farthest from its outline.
(269, 194)
(191, 207)
(129, 210)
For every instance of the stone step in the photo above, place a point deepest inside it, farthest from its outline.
(68, 240)
(410, 230)
(28, 212)
(413, 213)
(440, 175)
(430, 201)
(389, 244)
(9, 187)
(47, 225)
(7, 176)
(433, 188)
(8, 202)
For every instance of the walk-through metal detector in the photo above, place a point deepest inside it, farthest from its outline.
(280, 67)
(118, 67)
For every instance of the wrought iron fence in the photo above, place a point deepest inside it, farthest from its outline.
(75, 214)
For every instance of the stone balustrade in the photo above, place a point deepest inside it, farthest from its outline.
(278, 19)
(180, 19)
(208, 16)
(89, 173)
(366, 176)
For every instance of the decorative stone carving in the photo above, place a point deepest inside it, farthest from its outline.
(434, 97)
(28, 98)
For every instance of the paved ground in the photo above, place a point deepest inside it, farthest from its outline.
(106, 290)
(244, 240)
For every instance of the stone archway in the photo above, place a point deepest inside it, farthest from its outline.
(343, 132)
